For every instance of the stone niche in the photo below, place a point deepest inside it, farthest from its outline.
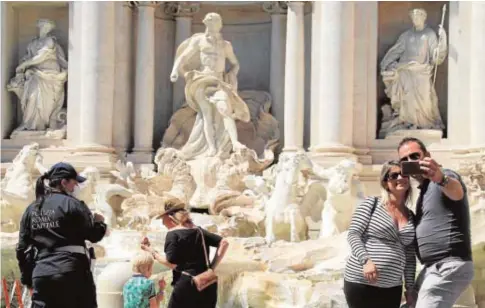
(21, 25)
(246, 26)
(393, 20)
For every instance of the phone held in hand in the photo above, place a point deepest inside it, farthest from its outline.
(411, 168)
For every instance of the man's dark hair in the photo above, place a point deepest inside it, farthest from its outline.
(406, 140)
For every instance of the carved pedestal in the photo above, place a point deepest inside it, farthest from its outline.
(428, 136)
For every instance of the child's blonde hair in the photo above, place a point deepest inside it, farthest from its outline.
(142, 262)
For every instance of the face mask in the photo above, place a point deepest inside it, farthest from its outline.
(76, 192)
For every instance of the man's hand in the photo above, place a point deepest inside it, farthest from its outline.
(370, 271)
(432, 170)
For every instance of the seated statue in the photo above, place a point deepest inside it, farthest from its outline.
(210, 91)
(408, 70)
(39, 81)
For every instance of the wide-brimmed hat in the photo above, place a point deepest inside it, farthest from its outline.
(169, 207)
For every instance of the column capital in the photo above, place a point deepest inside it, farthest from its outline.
(295, 4)
(145, 3)
(275, 7)
(181, 9)
(129, 4)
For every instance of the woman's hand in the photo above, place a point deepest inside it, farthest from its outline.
(162, 284)
(370, 271)
(98, 217)
(145, 241)
(146, 246)
(411, 298)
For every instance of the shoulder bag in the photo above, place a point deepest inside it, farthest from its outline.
(207, 278)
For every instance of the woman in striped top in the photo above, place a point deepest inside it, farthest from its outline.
(381, 237)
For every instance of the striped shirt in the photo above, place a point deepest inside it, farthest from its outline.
(377, 238)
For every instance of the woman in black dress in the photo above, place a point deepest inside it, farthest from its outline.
(184, 252)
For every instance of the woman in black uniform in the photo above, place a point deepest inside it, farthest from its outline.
(57, 225)
(184, 252)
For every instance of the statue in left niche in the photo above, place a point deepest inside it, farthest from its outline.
(39, 85)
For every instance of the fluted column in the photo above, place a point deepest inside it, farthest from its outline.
(183, 13)
(294, 77)
(7, 67)
(123, 91)
(328, 101)
(144, 83)
(278, 10)
(477, 78)
(96, 75)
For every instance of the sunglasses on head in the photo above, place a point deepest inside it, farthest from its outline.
(395, 175)
(412, 157)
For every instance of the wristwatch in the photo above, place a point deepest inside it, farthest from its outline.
(444, 181)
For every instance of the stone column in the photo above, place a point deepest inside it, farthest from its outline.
(123, 92)
(328, 56)
(74, 75)
(183, 13)
(8, 65)
(144, 84)
(96, 55)
(477, 71)
(294, 77)
(278, 10)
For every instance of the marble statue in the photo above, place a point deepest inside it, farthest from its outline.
(342, 196)
(210, 91)
(39, 84)
(283, 209)
(18, 185)
(139, 193)
(17, 188)
(409, 70)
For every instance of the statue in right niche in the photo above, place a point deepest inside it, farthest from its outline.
(409, 72)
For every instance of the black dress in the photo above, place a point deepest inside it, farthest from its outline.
(184, 248)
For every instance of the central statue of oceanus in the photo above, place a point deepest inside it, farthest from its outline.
(201, 59)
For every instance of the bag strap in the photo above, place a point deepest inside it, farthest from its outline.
(373, 206)
(205, 248)
(371, 213)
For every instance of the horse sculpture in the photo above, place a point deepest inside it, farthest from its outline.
(283, 217)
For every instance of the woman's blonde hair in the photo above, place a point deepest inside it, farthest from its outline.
(177, 210)
(142, 262)
(386, 168)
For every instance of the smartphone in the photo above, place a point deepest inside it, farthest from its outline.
(411, 168)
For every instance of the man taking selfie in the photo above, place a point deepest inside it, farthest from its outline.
(442, 229)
